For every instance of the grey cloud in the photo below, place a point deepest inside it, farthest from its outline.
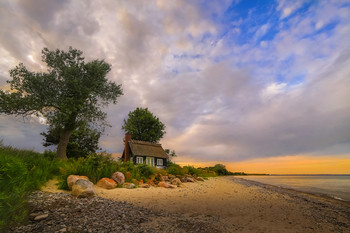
(212, 110)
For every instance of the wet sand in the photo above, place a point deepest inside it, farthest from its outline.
(241, 205)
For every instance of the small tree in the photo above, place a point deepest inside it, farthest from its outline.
(71, 92)
(144, 126)
(171, 154)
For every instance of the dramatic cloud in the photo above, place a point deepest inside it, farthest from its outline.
(231, 82)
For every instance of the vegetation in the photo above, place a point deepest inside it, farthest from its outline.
(144, 126)
(71, 93)
(83, 141)
(21, 172)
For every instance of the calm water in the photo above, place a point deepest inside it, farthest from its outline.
(336, 186)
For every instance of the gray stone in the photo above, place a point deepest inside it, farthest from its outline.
(118, 177)
(83, 188)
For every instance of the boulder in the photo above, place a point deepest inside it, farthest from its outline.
(129, 185)
(165, 185)
(118, 177)
(83, 188)
(144, 186)
(73, 178)
(199, 178)
(171, 176)
(176, 181)
(165, 178)
(107, 183)
(189, 179)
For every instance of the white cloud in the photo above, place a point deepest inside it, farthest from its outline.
(219, 100)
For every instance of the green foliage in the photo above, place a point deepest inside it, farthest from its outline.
(175, 169)
(93, 166)
(96, 167)
(144, 126)
(221, 170)
(217, 170)
(83, 141)
(21, 172)
(71, 92)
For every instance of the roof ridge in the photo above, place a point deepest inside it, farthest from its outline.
(144, 142)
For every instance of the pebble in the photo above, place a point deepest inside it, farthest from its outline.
(41, 217)
(96, 214)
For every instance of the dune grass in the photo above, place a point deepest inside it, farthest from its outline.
(21, 172)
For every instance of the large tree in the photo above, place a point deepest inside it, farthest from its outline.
(69, 93)
(144, 126)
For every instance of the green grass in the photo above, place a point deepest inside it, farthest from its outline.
(21, 172)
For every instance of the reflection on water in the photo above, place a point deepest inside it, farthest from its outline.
(336, 186)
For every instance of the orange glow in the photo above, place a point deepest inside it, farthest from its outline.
(284, 165)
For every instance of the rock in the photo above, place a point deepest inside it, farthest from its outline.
(73, 178)
(144, 186)
(176, 181)
(150, 182)
(106, 183)
(83, 188)
(165, 178)
(171, 176)
(199, 178)
(165, 185)
(41, 217)
(129, 185)
(118, 177)
(189, 179)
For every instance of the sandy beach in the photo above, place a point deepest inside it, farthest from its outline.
(240, 205)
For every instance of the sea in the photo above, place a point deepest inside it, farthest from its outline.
(334, 186)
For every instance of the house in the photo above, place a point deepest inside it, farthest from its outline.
(144, 152)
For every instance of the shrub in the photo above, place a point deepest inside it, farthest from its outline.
(93, 166)
(175, 169)
(145, 171)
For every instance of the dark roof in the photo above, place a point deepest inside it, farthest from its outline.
(147, 149)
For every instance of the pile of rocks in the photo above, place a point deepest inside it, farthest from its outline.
(61, 212)
(82, 187)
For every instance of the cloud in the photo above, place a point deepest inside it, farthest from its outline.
(220, 100)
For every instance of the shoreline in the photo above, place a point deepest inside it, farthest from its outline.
(239, 205)
(291, 191)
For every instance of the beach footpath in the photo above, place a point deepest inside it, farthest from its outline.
(220, 204)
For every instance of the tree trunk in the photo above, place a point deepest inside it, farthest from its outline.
(62, 145)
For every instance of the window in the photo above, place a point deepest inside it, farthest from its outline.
(160, 162)
(150, 161)
(139, 159)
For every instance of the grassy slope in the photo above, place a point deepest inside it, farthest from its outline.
(21, 172)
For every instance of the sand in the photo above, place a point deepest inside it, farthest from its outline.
(240, 206)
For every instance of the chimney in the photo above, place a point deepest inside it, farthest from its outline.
(127, 148)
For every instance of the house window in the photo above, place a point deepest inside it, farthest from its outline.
(139, 159)
(150, 161)
(160, 162)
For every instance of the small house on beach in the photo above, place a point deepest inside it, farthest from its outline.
(140, 152)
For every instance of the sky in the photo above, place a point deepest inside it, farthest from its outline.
(261, 86)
